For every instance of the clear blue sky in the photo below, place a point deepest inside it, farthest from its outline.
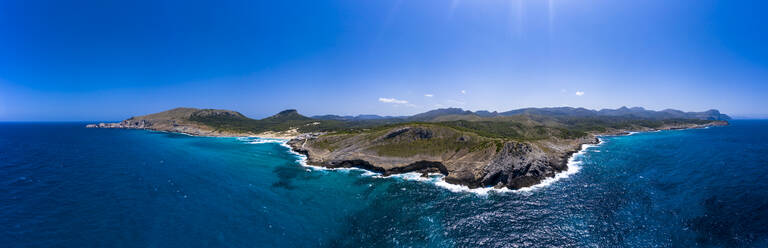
(108, 60)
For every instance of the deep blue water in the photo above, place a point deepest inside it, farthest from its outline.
(62, 185)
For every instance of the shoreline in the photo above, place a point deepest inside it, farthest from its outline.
(623, 132)
(571, 165)
(288, 135)
(438, 179)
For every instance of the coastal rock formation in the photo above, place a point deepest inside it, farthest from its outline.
(176, 120)
(464, 158)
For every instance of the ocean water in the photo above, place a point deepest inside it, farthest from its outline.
(62, 185)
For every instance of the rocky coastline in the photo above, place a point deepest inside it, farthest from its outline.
(192, 129)
(516, 166)
(519, 165)
(462, 157)
(620, 132)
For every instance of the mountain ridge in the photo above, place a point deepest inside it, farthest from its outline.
(712, 114)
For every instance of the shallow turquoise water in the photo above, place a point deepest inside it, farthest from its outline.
(65, 185)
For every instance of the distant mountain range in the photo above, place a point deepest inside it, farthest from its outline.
(635, 112)
(355, 118)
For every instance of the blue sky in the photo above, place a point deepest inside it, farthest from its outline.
(108, 60)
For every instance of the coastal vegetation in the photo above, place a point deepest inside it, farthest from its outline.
(523, 126)
(510, 149)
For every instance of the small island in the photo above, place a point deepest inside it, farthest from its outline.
(512, 149)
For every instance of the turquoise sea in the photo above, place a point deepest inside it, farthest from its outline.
(62, 185)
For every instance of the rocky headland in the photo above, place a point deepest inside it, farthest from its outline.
(463, 158)
(182, 120)
(475, 149)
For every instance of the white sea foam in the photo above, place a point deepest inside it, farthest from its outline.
(410, 176)
(267, 140)
(368, 173)
(461, 188)
(438, 179)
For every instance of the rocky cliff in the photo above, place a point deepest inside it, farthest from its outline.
(463, 157)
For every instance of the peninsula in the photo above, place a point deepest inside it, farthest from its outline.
(511, 149)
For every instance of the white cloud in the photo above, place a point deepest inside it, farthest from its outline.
(429, 95)
(579, 93)
(392, 100)
(463, 92)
